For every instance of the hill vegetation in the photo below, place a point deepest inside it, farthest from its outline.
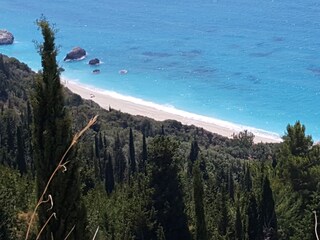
(136, 178)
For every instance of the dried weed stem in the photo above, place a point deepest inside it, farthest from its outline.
(95, 234)
(62, 165)
(316, 224)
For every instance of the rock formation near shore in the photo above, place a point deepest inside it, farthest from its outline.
(76, 53)
(6, 37)
(94, 61)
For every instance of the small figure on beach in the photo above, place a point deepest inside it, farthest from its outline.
(92, 95)
(123, 71)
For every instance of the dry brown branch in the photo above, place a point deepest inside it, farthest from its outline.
(95, 234)
(59, 166)
(46, 223)
(70, 232)
(316, 224)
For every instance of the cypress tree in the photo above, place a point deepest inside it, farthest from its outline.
(3, 80)
(29, 114)
(253, 218)
(20, 158)
(269, 218)
(238, 225)
(132, 157)
(51, 137)
(194, 151)
(223, 221)
(193, 155)
(109, 178)
(10, 134)
(201, 227)
(144, 156)
(96, 147)
(100, 141)
(119, 161)
(167, 196)
(231, 186)
(248, 180)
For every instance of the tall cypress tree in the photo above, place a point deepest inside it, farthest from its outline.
(248, 180)
(194, 151)
(201, 226)
(4, 83)
(253, 218)
(109, 178)
(144, 155)
(231, 185)
(51, 137)
(10, 133)
(132, 157)
(269, 218)
(238, 225)
(223, 219)
(119, 161)
(193, 155)
(20, 157)
(167, 196)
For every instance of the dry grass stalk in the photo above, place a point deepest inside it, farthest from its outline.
(70, 232)
(46, 223)
(60, 165)
(316, 224)
(95, 234)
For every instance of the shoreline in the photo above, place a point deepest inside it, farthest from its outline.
(135, 106)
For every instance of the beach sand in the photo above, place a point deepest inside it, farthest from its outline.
(135, 106)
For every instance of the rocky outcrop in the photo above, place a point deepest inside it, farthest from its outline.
(6, 37)
(96, 71)
(94, 61)
(76, 53)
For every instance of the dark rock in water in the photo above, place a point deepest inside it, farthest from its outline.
(61, 69)
(96, 71)
(6, 37)
(123, 71)
(94, 61)
(76, 53)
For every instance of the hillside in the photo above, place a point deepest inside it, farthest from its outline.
(184, 178)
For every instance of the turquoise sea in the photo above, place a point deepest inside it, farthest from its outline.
(251, 62)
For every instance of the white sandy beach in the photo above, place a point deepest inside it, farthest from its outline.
(135, 106)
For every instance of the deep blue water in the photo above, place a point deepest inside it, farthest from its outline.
(251, 62)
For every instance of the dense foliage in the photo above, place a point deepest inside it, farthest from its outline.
(143, 179)
(51, 137)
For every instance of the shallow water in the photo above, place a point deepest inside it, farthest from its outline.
(251, 62)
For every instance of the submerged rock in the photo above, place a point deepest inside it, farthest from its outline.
(76, 53)
(6, 37)
(123, 71)
(96, 71)
(94, 61)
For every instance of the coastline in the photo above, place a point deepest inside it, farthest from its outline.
(135, 106)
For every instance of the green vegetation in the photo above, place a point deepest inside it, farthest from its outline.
(51, 137)
(136, 178)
